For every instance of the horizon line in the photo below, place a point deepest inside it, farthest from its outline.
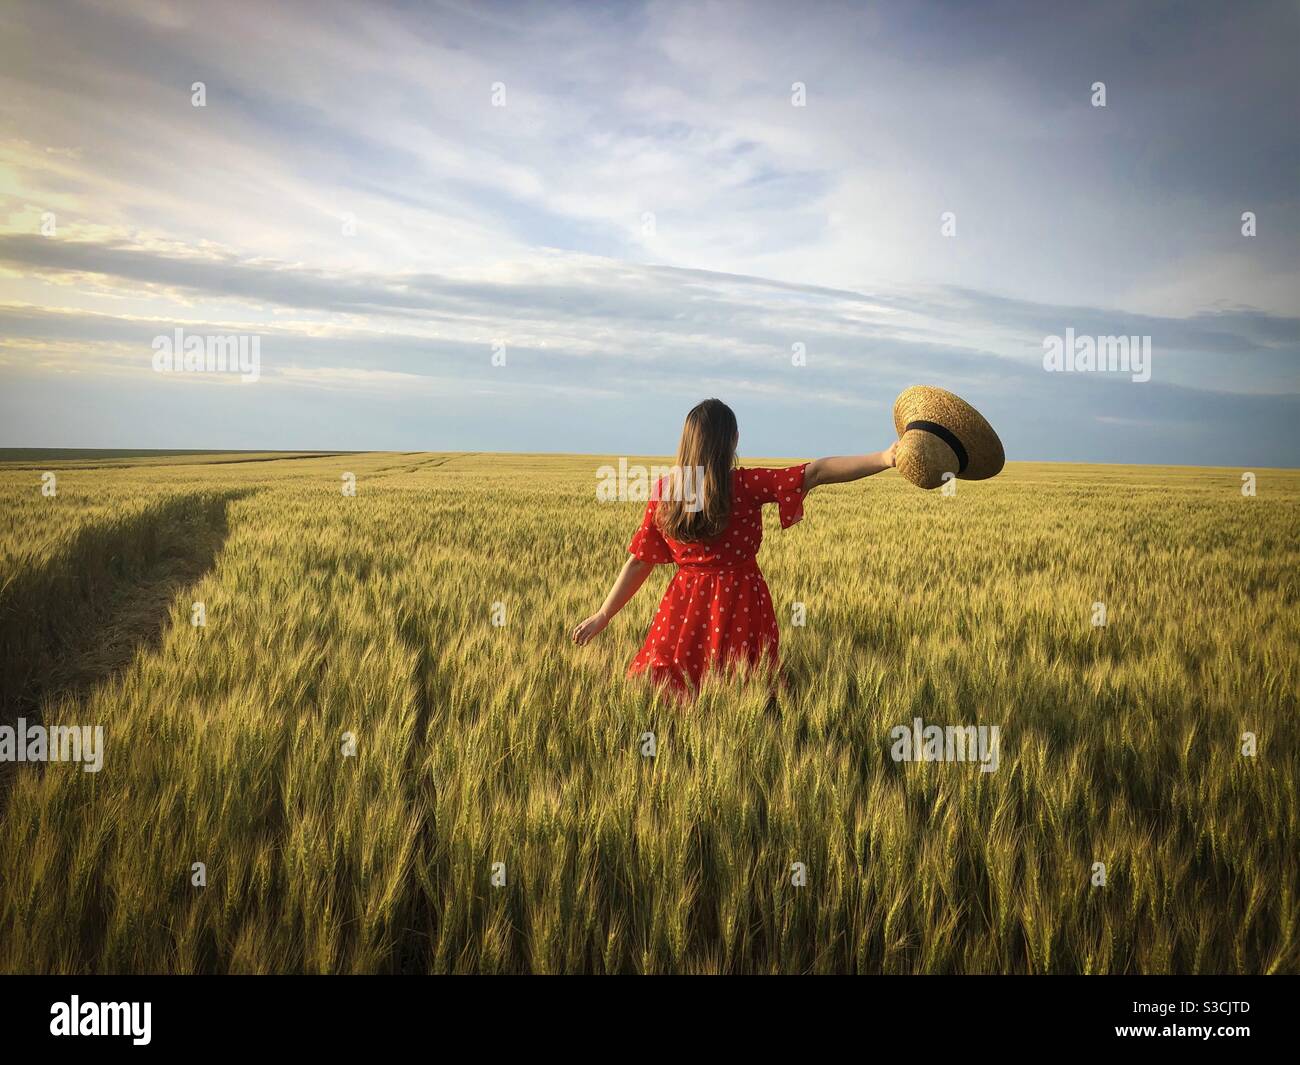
(28, 454)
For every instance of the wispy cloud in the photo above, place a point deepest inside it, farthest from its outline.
(649, 218)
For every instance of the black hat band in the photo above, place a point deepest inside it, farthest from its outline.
(947, 437)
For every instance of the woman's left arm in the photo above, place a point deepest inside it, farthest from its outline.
(836, 469)
(626, 585)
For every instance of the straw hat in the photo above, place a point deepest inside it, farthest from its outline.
(941, 433)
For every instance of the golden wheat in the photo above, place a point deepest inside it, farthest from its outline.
(481, 745)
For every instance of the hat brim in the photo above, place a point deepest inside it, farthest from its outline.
(957, 423)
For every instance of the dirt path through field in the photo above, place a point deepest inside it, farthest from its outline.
(77, 621)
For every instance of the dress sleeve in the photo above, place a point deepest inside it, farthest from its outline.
(648, 544)
(782, 487)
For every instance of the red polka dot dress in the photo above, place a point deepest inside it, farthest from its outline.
(717, 612)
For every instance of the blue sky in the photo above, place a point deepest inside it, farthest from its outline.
(625, 200)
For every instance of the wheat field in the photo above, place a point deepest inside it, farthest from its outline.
(378, 777)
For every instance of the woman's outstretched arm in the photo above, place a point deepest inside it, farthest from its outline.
(626, 585)
(837, 469)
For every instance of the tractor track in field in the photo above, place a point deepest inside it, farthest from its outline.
(78, 620)
(414, 954)
(426, 464)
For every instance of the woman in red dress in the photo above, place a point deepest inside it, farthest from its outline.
(706, 516)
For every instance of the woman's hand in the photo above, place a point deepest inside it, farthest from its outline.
(585, 630)
(630, 578)
(890, 455)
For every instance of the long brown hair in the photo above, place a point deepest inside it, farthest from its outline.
(696, 499)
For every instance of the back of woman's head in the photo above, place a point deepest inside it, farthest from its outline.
(695, 501)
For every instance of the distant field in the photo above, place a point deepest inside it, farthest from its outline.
(482, 746)
(35, 457)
